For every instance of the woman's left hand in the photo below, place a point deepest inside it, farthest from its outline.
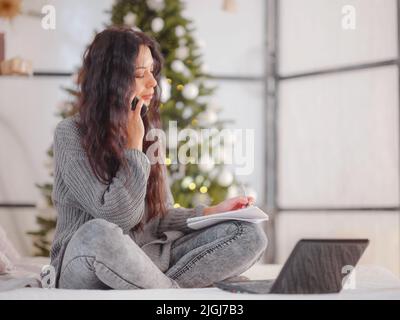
(230, 205)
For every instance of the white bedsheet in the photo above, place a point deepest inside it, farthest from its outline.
(371, 282)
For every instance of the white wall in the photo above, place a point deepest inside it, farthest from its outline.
(312, 37)
(339, 133)
(341, 130)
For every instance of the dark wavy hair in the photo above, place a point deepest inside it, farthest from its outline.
(107, 81)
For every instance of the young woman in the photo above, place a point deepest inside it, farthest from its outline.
(116, 226)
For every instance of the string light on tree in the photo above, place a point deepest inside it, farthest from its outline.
(182, 52)
(199, 179)
(186, 182)
(190, 91)
(180, 31)
(178, 66)
(203, 189)
(192, 186)
(165, 89)
(187, 113)
(156, 5)
(130, 19)
(157, 24)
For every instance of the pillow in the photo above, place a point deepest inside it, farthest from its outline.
(8, 254)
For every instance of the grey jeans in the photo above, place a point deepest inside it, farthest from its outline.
(197, 259)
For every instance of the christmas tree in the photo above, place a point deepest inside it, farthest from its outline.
(185, 100)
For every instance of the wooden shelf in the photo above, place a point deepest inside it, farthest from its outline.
(39, 74)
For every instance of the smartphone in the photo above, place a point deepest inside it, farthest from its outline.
(144, 107)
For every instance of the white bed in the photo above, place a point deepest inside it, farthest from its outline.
(372, 282)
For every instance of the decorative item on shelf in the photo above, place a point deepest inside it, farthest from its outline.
(9, 9)
(16, 66)
(2, 47)
(229, 6)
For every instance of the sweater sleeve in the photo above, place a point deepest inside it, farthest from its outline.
(175, 218)
(122, 201)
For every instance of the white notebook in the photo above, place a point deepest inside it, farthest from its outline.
(251, 214)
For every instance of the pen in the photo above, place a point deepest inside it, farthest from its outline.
(244, 192)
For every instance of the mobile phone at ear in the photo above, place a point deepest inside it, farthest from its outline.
(144, 107)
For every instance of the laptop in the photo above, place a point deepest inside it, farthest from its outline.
(314, 266)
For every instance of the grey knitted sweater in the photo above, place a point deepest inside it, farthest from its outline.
(79, 196)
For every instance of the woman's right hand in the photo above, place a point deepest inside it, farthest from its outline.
(135, 126)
